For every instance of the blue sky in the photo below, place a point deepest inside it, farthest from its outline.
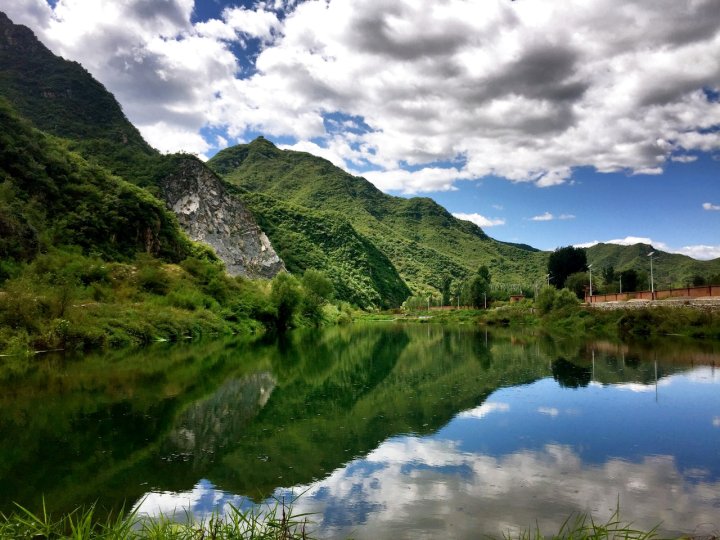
(545, 122)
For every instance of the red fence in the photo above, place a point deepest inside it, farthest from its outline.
(685, 292)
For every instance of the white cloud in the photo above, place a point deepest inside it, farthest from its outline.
(566, 216)
(483, 410)
(523, 90)
(424, 180)
(702, 252)
(479, 220)
(683, 159)
(711, 206)
(549, 411)
(547, 216)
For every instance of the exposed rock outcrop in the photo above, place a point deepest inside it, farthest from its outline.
(210, 214)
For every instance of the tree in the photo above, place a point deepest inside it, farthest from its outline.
(317, 290)
(565, 261)
(577, 283)
(629, 280)
(446, 284)
(477, 287)
(608, 274)
(285, 295)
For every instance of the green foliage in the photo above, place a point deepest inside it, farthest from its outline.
(68, 300)
(669, 269)
(565, 261)
(629, 280)
(415, 241)
(318, 290)
(578, 282)
(51, 196)
(550, 299)
(324, 241)
(276, 521)
(477, 288)
(285, 296)
(672, 320)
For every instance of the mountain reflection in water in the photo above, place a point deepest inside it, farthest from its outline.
(387, 430)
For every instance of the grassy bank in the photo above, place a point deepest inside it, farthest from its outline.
(270, 523)
(70, 301)
(560, 312)
(274, 522)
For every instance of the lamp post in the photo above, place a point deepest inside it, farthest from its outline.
(590, 269)
(652, 279)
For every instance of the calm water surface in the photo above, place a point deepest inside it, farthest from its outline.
(387, 430)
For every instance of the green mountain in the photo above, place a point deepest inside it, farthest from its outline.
(61, 98)
(50, 196)
(669, 269)
(421, 239)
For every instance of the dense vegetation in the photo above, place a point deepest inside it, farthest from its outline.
(90, 260)
(558, 311)
(313, 239)
(669, 269)
(425, 243)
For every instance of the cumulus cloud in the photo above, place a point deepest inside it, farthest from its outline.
(711, 206)
(523, 90)
(480, 220)
(547, 216)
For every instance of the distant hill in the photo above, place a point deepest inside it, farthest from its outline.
(669, 269)
(422, 240)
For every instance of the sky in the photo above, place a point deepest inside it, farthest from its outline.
(546, 122)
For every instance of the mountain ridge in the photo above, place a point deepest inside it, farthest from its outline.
(63, 99)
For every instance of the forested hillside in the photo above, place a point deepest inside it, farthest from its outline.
(424, 242)
(669, 269)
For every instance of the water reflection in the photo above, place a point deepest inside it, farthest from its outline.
(489, 470)
(392, 430)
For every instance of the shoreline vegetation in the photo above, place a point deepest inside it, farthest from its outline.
(276, 521)
(559, 312)
(64, 300)
(67, 301)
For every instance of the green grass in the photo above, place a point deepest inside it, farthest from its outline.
(271, 522)
(584, 527)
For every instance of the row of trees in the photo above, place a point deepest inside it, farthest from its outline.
(473, 291)
(568, 267)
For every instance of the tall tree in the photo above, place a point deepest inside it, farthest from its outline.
(629, 279)
(478, 287)
(565, 261)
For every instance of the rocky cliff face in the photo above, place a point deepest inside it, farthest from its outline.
(210, 214)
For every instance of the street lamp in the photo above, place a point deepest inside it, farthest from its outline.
(590, 269)
(652, 279)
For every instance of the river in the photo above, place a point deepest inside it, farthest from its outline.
(380, 430)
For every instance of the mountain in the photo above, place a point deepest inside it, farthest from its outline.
(62, 99)
(50, 196)
(421, 239)
(669, 269)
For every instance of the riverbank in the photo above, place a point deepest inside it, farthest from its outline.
(68, 301)
(699, 321)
